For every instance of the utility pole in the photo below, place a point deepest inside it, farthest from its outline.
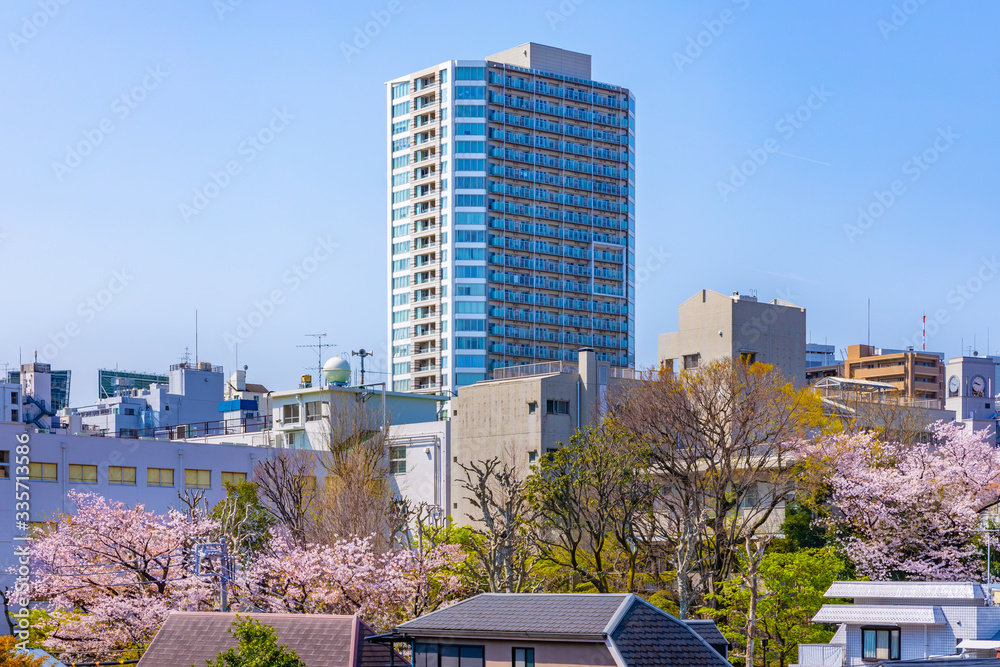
(319, 346)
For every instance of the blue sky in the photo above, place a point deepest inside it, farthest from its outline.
(105, 266)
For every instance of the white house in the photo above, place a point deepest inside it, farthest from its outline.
(891, 620)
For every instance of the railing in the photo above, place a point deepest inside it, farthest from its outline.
(821, 655)
(527, 370)
(195, 430)
(200, 366)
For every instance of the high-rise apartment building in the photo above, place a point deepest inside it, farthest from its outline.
(511, 215)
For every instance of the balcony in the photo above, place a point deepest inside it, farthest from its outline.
(821, 655)
(532, 369)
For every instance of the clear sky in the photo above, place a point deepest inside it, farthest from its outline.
(115, 116)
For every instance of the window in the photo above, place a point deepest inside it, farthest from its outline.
(82, 474)
(400, 316)
(4, 464)
(233, 478)
(532, 407)
(554, 407)
(400, 89)
(401, 368)
(470, 236)
(308, 483)
(465, 379)
(43, 472)
(401, 264)
(14, 416)
(523, 657)
(198, 479)
(444, 76)
(470, 128)
(159, 476)
(314, 411)
(124, 476)
(880, 643)
(748, 358)
(291, 413)
(401, 334)
(401, 350)
(470, 164)
(691, 361)
(470, 146)
(477, 307)
(470, 111)
(397, 460)
(400, 196)
(470, 74)
(437, 655)
(470, 200)
(401, 126)
(401, 385)
(401, 212)
(401, 161)
(400, 109)
(470, 361)
(470, 325)
(470, 253)
(470, 218)
(469, 343)
(401, 299)
(470, 182)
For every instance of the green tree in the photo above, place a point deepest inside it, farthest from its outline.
(793, 585)
(258, 647)
(594, 503)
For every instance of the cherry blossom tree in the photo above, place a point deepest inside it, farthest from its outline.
(352, 577)
(913, 509)
(111, 573)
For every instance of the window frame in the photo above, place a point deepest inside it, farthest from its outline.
(529, 651)
(122, 481)
(198, 476)
(397, 464)
(42, 469)
(232, 477)
(882, 628)
(159, 477)
(83, 469)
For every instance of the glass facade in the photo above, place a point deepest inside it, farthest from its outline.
(540, 259)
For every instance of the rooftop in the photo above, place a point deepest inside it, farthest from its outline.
(903, 590)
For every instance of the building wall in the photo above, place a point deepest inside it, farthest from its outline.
(10, 402)
(495, 418)
(475, 255)
(918, 375)
(499, 653)
(715, 326)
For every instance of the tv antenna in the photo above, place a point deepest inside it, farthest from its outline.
(319, 346)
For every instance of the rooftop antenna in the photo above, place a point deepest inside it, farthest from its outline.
(186, 359)
(319, 346)
(196, 337)
(923, 330)
(362, 353)
(869, 321)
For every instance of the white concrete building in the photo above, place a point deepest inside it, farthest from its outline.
(971, 392)
(894, 620)
(10, 402)
(191, 398)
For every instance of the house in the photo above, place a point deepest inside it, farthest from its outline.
(320, 640)
(904, 621)
(553, 630)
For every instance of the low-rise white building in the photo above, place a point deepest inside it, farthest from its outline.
(902, 620)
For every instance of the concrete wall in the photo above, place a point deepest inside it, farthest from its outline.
(716, 326)
(495, 418)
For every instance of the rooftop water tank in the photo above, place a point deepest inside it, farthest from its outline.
(337, 371)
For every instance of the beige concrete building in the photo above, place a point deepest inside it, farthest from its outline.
(713, 326)
(524, 412)
(918, 375)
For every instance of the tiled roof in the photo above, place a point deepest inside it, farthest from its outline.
(921, 590)
(522, 614)
(191, 638)
(708, 631)
(641, 634)
(894, 614)
(648, 637)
